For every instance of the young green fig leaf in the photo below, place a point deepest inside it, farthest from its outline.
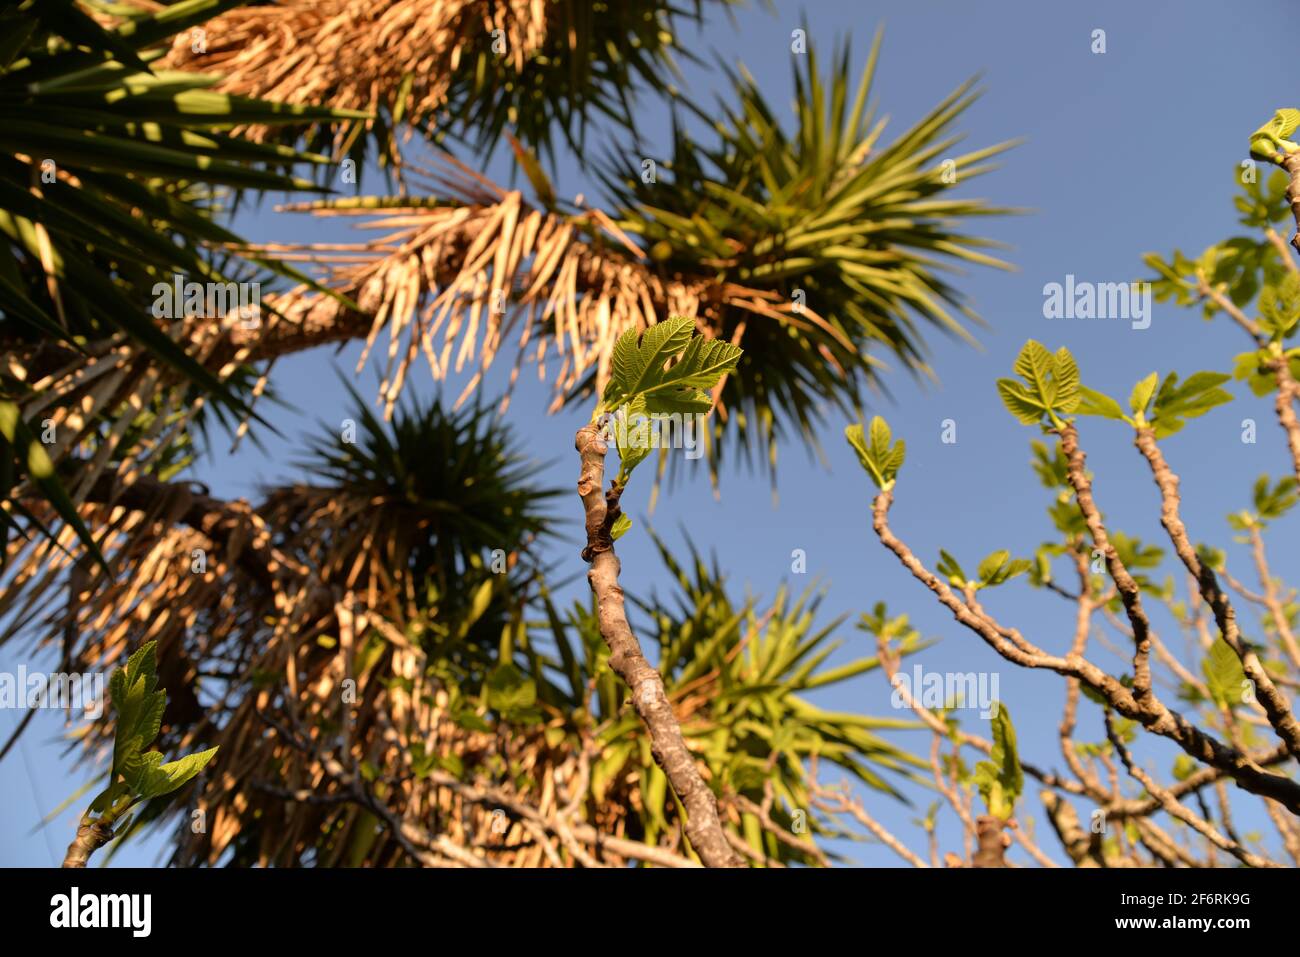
(877, 453)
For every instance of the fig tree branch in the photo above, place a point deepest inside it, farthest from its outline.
(1153, 715)
(703, 826)
(1275, 704)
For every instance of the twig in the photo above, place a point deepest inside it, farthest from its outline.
(838, 802)
(1177, 809)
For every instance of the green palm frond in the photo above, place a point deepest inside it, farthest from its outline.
(433, 491)
(834, 241)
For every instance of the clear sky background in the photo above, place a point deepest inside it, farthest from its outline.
(1126, 152)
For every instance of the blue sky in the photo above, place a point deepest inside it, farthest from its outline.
(1126, 152)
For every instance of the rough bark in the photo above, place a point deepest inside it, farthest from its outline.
(1084, 847)
(1177, 810)
(1129, 592)
(1288, 390)
(703, 826)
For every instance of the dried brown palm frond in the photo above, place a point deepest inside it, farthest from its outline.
(458, 280)
(262, 650)
(358, 52)
(467, 67)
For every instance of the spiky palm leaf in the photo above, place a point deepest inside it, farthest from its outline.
(838, 239)
(103, 157)
(436, 523)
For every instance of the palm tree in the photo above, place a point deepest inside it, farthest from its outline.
(367, 709)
